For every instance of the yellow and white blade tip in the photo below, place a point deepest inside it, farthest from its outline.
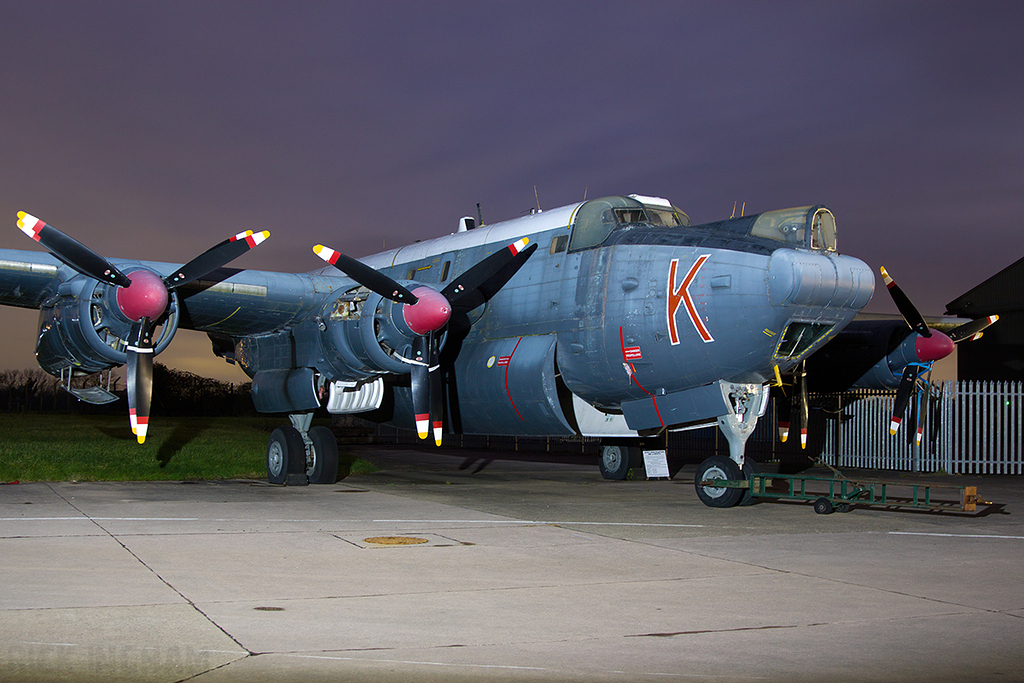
(517, 247)
(27, 223)
(894, 426)
(423, 426)
(326, 253)
(252, 238)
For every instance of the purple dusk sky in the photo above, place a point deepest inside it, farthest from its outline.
(156, 129)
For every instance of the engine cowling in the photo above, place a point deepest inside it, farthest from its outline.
(365, 335)
(83, 329)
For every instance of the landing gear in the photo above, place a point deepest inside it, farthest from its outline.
(300, 455)
(616, 461)
(286, 457)
(323, 452)
(718, 467)
(748, 402)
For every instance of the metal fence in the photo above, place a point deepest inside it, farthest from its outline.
(969, 428)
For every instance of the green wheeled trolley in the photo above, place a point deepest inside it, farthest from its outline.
(837, 493)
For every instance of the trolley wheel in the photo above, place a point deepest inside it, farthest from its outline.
(823, 506)
(842, 507)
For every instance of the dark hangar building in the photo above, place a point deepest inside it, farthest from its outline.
(999, 354)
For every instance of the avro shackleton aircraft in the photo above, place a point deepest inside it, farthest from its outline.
(613, 317)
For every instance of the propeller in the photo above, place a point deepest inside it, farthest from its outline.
(427, 311)
(931, 345)
(800, 397)
(141, 295)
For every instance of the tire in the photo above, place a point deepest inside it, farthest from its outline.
(718, 467)
(285, 453)
(823, 506)
(614, 463)
(749, 470)
(324, 469)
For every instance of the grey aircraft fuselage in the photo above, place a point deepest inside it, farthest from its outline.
(625, 321)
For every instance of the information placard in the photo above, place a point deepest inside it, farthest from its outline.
(656, 464)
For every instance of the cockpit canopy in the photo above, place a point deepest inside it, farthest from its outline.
(813, 227)
(594, 220)
(807, 227)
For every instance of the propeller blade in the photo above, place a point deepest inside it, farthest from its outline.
(436, 395)
(70, 251)
(477, 285)
(420, 384)
(216, 256)
(972, 330)
(140, 377)
(784, 410)
(368, 277)
(805, 408)
(907, 383)
(906, 307)
(915, 416)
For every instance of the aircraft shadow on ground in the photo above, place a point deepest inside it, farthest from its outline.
(180, 437)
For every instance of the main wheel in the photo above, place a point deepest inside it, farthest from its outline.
(718, 467)
(285, 453)
(324, 466)
(614, 462)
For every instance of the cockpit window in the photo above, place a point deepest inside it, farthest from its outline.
(594, 220)
(823, 230)
(805, 226)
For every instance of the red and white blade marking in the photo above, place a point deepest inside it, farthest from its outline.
(141, 428)
(894, 425)
(326, 253)
(438, 430)
(140, 425)
(803, 437)
(423, 425)
(518, 246)
(889, 282)
(783, 431)
(30, 225)
(253, 238)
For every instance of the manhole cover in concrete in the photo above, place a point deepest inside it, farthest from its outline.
(395, 540)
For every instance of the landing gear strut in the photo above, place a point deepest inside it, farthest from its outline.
(300, 455)
(748, 402)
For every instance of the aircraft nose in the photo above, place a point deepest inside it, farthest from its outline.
(814, 279)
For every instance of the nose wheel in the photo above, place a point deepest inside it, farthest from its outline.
(718, 467)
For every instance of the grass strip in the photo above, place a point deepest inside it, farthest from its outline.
(40, 447)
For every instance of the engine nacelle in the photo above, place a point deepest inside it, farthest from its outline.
(82, 328)
(366, 335)
(851, 359)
